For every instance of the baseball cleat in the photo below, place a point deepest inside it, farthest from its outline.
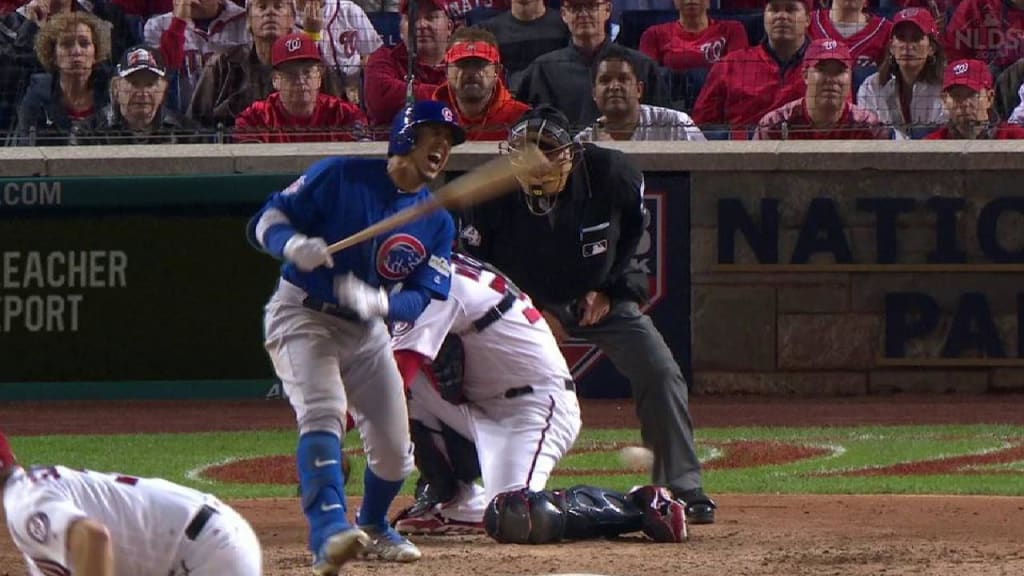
(700, 509)
(339, 549)
(389, 546)
(434, 524)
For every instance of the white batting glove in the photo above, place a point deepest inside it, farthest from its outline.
(363, 299)
(307, 253)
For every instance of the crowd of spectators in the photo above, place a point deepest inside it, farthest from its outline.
(80, 72)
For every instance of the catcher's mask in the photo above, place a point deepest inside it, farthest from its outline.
(548, 129)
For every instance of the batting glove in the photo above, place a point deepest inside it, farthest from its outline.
(363, 299)
(308, 253)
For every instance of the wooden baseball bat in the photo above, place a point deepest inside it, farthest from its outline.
(490, 180)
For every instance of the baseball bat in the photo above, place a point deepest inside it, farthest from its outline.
(490, 180)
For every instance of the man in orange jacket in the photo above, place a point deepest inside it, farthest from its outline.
(474, 89)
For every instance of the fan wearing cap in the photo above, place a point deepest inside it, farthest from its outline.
(241, 75)
(569, 240)
(564, 78)
(298, 111)
(967, 95)
(70, 521)
(988, 30)
(849, 22)
(825, 112)
(485, 108)
(906, 92)
(387, 68)
(137, 114)
(746, 84)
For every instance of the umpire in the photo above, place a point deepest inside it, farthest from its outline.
(569, 241)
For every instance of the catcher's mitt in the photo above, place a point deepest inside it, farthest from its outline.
(448, 369)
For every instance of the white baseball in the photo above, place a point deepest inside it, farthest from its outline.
(636, 458)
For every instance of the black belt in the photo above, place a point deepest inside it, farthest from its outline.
(199, 521)
(524, 390)
(343, 312)
(495, 313)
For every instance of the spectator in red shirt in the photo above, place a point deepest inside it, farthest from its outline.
(474, 89)
(848, 21)
(987, 30)
(387, 68)
(746, 84)
(825, 112)
(693, 41)
(298, 111)
(967, 94)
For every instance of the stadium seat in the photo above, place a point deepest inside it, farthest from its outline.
(634, 22)
(387, 25)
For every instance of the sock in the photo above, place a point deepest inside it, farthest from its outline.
(377, 497)
(318, 458)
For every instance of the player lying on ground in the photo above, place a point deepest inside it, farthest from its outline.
(484, 365)
(88, 523)
(325, 330)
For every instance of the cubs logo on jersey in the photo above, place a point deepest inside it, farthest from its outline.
(399, 255)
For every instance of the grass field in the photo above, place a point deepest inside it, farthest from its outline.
(837, 460)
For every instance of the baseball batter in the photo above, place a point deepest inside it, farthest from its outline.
(516, 400)
(325, 330)
(88, 523)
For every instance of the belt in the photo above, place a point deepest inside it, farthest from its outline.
(343, 312)
(524, 390)
(199, 521)
(495, 313)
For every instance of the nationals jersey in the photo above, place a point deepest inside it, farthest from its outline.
(146, 517)
(347, 37)
(676, 48)
(868, 46)
(516, 349)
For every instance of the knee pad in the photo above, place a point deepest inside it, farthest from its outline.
(525, 517)
(593, 512)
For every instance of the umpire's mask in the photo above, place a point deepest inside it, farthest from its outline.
(548, 128)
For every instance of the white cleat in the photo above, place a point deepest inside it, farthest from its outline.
(339, 549)
(389, 546)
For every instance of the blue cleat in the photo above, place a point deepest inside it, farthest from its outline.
(339, 549)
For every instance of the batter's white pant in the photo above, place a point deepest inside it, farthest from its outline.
(519, 440)
(328, 365)
(226, 546)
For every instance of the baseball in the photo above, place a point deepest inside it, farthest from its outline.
(636, 458)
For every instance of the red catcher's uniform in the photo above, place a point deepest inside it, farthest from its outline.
(675, 48)
(855, 124)
(1001, 132)
(988, 30)
(868, 46)
(333, 120)
(495, 122)
(746, 85)
(384, 82)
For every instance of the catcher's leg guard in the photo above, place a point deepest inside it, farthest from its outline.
(525, 517)
(593, 512)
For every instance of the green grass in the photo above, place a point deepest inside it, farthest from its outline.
(172, 456)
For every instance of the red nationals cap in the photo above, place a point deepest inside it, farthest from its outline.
(971, 73)
(298, 46)
(824, 49)
(403, 5)
(476, 49)
(919, 17)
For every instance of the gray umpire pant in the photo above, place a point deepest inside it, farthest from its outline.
(638, 351)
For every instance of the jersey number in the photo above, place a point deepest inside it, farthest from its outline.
(469, 268)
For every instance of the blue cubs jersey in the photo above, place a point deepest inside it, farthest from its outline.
(338, 197)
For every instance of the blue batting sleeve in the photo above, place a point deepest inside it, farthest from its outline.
(297, 208)
(407, 305)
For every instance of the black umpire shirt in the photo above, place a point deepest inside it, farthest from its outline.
(586, 243)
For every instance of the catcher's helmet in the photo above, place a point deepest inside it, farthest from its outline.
(403, 129)
(548, 128)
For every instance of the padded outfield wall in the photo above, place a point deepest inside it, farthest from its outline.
(776, 268)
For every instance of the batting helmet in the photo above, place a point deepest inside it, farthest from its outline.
(403, 129)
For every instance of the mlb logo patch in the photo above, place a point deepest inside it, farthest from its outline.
(595, 248)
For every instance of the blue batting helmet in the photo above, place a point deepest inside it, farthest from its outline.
(403, 129)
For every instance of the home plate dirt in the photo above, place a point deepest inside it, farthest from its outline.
(755, 534)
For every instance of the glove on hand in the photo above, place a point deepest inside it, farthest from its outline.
(363, 299)
(307, 253)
